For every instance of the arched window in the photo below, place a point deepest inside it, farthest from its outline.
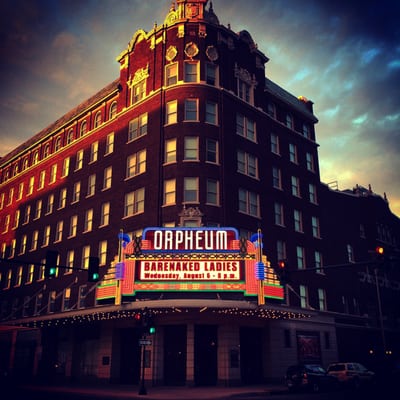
(97, 119)
(46, 152)
(57, 145)
(113, 110)
(70, 136)
(35, 157)
(83, 129)
(15, 170)
(25, 163)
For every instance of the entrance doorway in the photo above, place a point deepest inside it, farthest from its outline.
(251, 355)
(205, 355)
(175, 355)
(129, 356)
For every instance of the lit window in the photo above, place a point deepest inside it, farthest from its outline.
(94, 151)
(50, 204)
(63, 198)
(59, 231)
(70, 136)
(88, 221)
(70, 262)
(136, 164)
(107, 178)
(22, 248)
(35, 238)
(85, 257)
(79, 160)
(139, 91)
(53, 173)
(27, 214)
(83, 129)
(91, 185)
(109, 143)
(38, 210)
(105, 214)
(170, 151)
(212, 192)
(191, 190)
(76, 194)
(169, 192)
(65, 168)
(35, 157)
(42, 178)
(97, 119)
(134, 203)
(249, 202)
(57, 145)
(31, 185)
(137, 127)
(113, 110)
(171, 116)
(191, 150)
(31, 273)
(46, 151)
(171, 74)
(73, 225)
(46, 236)
(16, 219)
(66, 299)
(103, 252)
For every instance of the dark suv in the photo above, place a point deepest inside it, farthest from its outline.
(310, 377)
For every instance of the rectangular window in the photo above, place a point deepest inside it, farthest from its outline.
(31, 185)
(20, 191)
(27, 214)
(310, 162)
(318, 262)
(271, 110)
(38, 303)
(171, 114)
(289, 121)
(191, 71)
(31, 273)
(22, 247)
(59, 231)
(50, 204)
(94, 152)
(315, 227)
(303, 296)
(73, 226)
(91, 185)
(46, 236)
(63, 198)
(53, 173)
(65, 168)
(170, 151)
(16, 219)
(245, 127)
(35, 238)
(70, 261)
(295, 182)
(350, 253)
(103, 252)
(51, 305)
(306, 131)
(66, 299)
(42, 179)
(169, 192)
(109, 144)
(76, 194)
(137, 127)
(85, 257)
(298, 221)
(1, 201)
(278, 212)
(88, 221)
(11, 194)
(293, 153)
(82, 296)
(211, 113)
(191, 190)
(191, 149)
(191, 110)
(276, 178)
(107, 179)
(321, 299)
(38, 210)
(300, 256)
(134, 203)
(212, 151)
(312, 191)
(136, 164)
(6, 223)
(105, 214)
(249, 202)
(281, 250)
(243, 90)
(18, 278)
(171, 74)
(79, 160)
(247, 164)
(139, 91)
(211, 74)
(212, 192)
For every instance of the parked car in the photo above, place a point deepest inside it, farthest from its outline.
(351, 373)
(312, 377)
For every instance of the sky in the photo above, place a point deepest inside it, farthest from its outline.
(342, 55)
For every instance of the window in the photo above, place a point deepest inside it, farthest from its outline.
(295, 186)
(249, 203)
(293, 153)
(212, 151)
(6, 223)
(91, 187)
(35, 157)
(59, 231)
(139, 91)
(50, 204)
(113, 110)
(136, 164)
(107, 179)
(9, 277)
(245, 127)
(35, 239)
(38, 303)
(22, 248)
(42, 178)
(2, 201)
(191, 149)
(73, 226)
(211, 74)
(46, 236)
(275, 143)
(350, 253)
(303, 296)
(97, 119)
(243, 90)
(20, 191)
(211, 113)
(46, 151)
(191, 110)
(191, 71)
(31, 273)
(69, 262)
(170, 151)
(310, 162)
(134, 203)
(276, 178)
(281, 250)
(63, 198)
(109, 143)
(247, 164)
(76, 194)
(289, 121)
(315, 227)
(298, 221)
(105, 214)
(171, 115)
(137, 127)
(191, 190)
(27, 214)
(66, 299)
(271, 110)
(65, 168)
(321, 299)
(88, 221)
(103, 252)
(53, 173)
(312, 191)
(38, 210)
(212, 192)
(31, 185)
(94, 151)
(169, 192)
(51, 305)
(83, 129)
(318, 262)
(25, 164)
(171, 74)
(70, 136)
(82, 296)
(278, 212)
(300, 256)
(18, 277)
(16, 219)
(306, 131)
(13, 247)
(79, 160)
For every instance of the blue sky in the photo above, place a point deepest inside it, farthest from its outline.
(342, 55)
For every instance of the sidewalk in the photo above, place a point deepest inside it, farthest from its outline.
(161, 392)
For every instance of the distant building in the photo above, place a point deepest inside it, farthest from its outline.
(168, 177)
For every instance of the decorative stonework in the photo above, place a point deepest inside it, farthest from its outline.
(140, 74)
(212, 53)
(191, 50)
(171, 53)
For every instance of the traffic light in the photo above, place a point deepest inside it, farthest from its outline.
(50, 266)
(93, 270)
(150, 325)
(282, 272)
(379, 253)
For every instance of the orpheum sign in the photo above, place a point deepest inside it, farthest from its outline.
(189, 259)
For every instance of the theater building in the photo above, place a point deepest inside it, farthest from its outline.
(189, 177)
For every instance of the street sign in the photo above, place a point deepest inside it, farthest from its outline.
(144, 342)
